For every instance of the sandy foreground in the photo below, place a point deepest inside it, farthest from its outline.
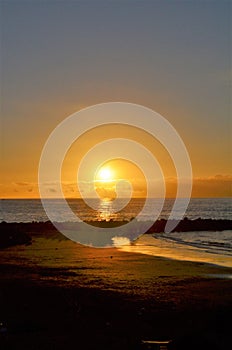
(55, 294)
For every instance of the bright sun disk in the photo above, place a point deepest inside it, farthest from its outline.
(105, 174)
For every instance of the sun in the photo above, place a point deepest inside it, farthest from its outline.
(105, 174)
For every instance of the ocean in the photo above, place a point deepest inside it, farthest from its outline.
(204, 246)
(29, 210)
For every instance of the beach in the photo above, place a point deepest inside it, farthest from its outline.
(116, 210)
(56, 294)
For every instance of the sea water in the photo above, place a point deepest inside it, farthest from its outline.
(28, 210)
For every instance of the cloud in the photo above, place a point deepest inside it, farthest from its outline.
(215, 178)
(53, 190)
(219, 185)
(22, 183)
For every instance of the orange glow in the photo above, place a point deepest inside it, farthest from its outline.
(18, 182)
(104, 174)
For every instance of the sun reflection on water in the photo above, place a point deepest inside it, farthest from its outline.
(106, 211)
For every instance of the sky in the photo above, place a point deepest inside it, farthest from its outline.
(58, 57)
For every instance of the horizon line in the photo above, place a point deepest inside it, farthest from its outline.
(77, 198)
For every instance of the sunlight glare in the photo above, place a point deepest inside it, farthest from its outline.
(105, 174)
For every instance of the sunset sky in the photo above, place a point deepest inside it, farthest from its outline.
(171, 56)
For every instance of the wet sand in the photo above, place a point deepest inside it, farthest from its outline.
(55, 294)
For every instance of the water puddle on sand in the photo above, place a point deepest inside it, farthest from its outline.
(219, 275)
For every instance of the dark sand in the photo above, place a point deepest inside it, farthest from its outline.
(55, 294)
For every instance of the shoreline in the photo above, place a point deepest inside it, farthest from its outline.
(57, 294)
(13, 233)
(150, 243)
(119, 301)
(169, 249)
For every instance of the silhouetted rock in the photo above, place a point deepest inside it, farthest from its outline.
(13, 234)
(199, 224)
(21, 233)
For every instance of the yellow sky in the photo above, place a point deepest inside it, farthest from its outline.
(15, 186)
